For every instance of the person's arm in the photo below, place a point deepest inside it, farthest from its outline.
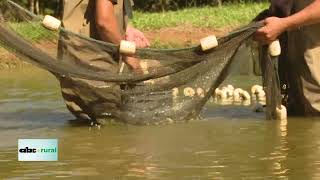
(275, 26)
(106, 22)
(134, 35)
(108, 30)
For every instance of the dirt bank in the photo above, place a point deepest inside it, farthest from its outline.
(10, 61)
(183, 35)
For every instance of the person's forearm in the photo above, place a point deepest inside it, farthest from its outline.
(308, 16)
(108, 29)
(106, 22)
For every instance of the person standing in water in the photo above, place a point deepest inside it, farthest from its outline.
(105, 20)
(303, 56)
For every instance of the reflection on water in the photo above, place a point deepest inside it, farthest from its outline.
(231, 143)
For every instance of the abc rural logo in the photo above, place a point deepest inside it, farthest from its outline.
(37, 149)
(33, 150)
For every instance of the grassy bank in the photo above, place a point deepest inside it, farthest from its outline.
(33, 31)
(229, 15)
(167, 29)
(205, 17)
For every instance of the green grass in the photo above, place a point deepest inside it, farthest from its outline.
(33, 31)
(229, 15)
(157, 43)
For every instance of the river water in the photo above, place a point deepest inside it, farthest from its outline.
(231, 142)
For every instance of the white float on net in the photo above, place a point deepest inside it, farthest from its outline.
(229, 86)
(282, 113)
(127, 47)
(208, 43)
(255, 89)
(237, 94)
(51, 22)
(275, 48)
(258, 93)
(221, 94)
(200, 92)
(229, 91)
(175, 92)
(245, 96)
(189, 92)
(261, 95)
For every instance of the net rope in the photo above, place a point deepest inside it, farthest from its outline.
(175, 83)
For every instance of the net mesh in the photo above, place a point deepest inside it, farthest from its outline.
(174, 86)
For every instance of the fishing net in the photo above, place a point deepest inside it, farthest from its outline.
(175, 83)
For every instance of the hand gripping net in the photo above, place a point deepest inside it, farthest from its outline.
(175, 83)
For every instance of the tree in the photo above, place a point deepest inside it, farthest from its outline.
(34, 6)
(31, 5)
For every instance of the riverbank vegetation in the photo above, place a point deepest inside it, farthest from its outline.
(32, 31)
(54, 7)
(203, 17)
(171, 28)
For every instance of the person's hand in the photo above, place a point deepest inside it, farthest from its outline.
(134, 64)
(137, 37)
(272, 28)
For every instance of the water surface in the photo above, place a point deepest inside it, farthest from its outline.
(231, 142)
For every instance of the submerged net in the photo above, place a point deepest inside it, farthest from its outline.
(175, 83)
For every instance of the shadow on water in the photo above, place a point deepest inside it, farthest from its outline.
(33, 119)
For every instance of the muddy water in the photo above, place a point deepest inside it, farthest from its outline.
(231, 143)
